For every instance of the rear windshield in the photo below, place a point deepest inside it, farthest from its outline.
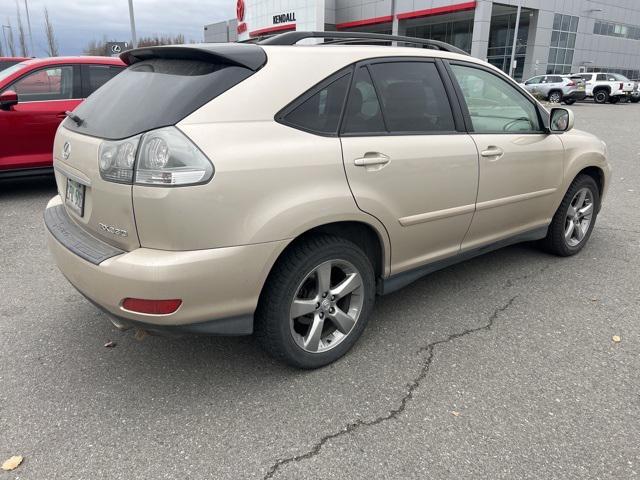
(152, 94)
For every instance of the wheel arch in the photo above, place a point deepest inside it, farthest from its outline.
(597, 174)
(555, 90)
(607, 88)
(372, 239)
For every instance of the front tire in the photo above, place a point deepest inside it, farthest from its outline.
(570, 101)
(316, 302)
(555, 97)
(573, 222)
(614, 99)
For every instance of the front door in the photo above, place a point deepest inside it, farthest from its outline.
(29, 127)
(521, 166)
(406, 160)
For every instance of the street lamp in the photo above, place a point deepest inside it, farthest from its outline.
(134, 40)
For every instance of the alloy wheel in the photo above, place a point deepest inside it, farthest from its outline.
(326, 306)
(579, 215)
(555, 97)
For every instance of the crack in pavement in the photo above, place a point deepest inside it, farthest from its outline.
(394, 413)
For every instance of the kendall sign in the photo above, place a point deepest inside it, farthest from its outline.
(284, 18)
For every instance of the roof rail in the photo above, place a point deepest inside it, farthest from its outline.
(291, 38)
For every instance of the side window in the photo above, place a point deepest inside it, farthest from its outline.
(495, 105)
(413, 97)
(601, 77)
(46, 84)
(321, 112)
(363, 114)
(97, 75)
(534, 81)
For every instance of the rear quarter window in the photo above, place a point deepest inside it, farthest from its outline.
(320, 112)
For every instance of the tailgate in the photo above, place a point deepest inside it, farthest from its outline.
(107, 212)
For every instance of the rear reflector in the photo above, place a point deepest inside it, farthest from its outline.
(152, 307)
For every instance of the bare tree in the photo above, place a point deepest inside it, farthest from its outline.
(26, 8)
(21, 36)
(1, 50)
(52, 43)
(10, 41)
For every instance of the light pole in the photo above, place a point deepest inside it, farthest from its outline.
(6, 44)
(134, 40)
(512, 66)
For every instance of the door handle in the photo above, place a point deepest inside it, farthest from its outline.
(492, 151)
(376, 159)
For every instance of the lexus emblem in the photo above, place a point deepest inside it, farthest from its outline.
(240, 10)
(66, 150)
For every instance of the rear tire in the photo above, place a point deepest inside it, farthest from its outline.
(316, 302)
(634, 99)
(601, 96)
(573, 222)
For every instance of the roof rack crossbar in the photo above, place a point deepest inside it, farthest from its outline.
(291, 38)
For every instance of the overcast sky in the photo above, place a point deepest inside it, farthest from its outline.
(76, 22)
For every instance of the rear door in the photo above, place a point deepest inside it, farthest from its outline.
(407, 159)
(43, 97)
(521, 166)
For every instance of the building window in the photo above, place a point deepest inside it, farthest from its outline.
(611, 29)
(501, 42)
(455, 33)
(563, 42)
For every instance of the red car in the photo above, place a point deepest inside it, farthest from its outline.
(34, 96)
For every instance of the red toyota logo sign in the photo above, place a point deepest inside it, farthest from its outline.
(240, 10)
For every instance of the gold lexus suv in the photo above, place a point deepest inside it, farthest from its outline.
(276, 188)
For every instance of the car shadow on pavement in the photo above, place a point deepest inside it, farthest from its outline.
(27, 186)
(184, 361)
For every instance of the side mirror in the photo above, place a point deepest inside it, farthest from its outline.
(8, 99)
(560, 120)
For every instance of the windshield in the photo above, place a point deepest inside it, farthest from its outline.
(152, 94)
(617, 76)
(9, 71)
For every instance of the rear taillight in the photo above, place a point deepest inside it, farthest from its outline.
(151, 307)
(162, 157)
(621, 85)
(571, 84)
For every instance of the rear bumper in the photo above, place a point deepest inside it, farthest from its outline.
(219, 288)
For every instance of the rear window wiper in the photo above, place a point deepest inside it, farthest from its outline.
(76, 119)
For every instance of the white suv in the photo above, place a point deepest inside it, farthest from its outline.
(607, 87)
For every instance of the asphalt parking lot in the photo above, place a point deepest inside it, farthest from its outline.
(500, 367)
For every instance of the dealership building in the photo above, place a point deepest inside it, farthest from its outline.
(551, 36)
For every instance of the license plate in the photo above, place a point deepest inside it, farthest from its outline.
(74, 197)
